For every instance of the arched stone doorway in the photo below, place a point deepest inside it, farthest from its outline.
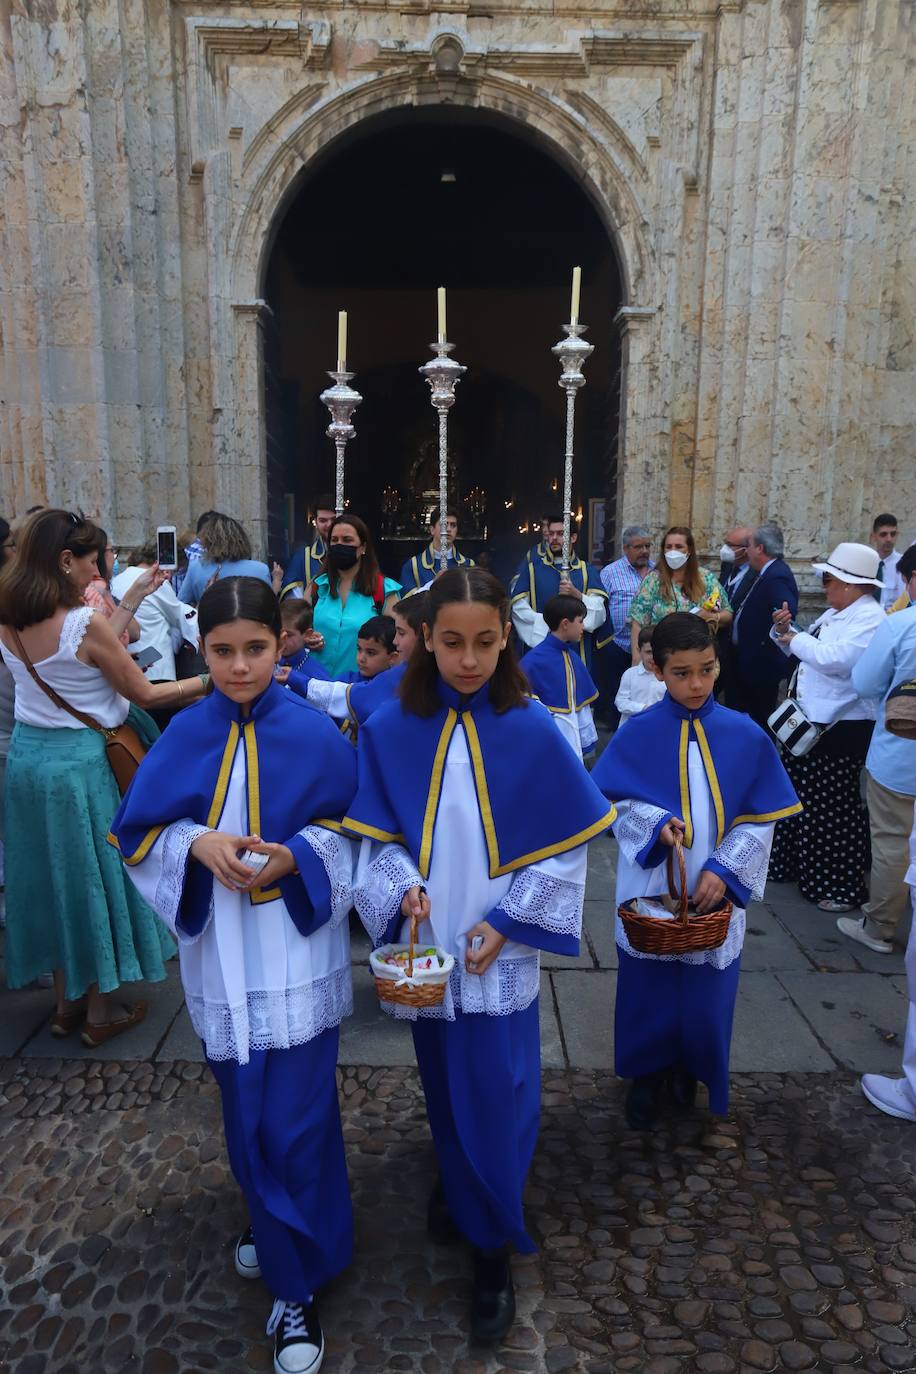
(249, 196)
(396, 205)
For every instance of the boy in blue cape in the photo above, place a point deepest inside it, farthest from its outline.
(687, 770)
(558, 676)
(296, 618)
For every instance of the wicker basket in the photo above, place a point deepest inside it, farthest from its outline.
(688, 931)
(406, 986)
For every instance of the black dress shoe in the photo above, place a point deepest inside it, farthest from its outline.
(439, 1222)
(642, 1101)
(492, 1297)
(683, 1089)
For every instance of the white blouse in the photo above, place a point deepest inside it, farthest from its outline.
(824, 687)
(251, 981)
(548, 894)
(80, 684)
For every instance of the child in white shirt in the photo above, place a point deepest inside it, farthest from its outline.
(639, 687)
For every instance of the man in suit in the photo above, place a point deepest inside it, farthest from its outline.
(759, 664)
(737, 577)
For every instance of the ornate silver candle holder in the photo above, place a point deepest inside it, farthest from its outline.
(341, 400)
(572, 353)
(443, 375)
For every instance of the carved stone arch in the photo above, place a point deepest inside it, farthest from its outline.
(595, 153)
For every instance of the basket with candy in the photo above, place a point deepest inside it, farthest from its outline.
(411, 976)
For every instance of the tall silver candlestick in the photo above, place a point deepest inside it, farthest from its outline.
(443, 375)
(572, 353)
(341, 400)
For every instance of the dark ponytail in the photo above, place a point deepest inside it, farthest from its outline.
(238, 598)
(508, 686)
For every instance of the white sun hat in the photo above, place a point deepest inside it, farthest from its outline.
(856, 563)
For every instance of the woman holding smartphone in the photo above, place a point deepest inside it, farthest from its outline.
(165, 623)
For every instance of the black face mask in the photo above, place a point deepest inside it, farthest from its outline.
(342, 556)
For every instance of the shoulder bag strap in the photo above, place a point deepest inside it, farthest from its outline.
(50, 692)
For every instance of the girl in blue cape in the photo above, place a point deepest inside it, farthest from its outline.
(264, 952)
(459, 829)
(688, 767)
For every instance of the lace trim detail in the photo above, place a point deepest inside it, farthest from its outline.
(73, 630)
(274, 1019)
(336, 856)
(719, 958)
(635, 830)
(319, 693)
(176, 851)
(378, 896)
(539, 899)
(745, 855)
(508, 985)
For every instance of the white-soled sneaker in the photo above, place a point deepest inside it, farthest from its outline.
(246, 1256)
(854, 928)
(299, 1343)
(890, 1095)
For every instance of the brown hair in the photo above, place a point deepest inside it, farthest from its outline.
(508, 686)
(296, 614)
(33, 586)
(693, 584)
(224, 540)
(366, 580)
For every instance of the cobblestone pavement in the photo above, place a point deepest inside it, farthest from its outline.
(781, 1238)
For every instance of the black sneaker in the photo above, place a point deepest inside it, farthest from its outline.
(492, 1297)
(246, 1256)
(641, 1105)
(299, 1343)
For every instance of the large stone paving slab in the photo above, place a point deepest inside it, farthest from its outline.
(859, 1017)
(782, 1238)
(770, 1033)
(586, 1005)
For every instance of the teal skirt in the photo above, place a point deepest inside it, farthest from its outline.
(69, 904)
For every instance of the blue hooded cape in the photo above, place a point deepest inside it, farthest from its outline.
(558, 676)
(365, 697)
(647, 762)
(299, 768)
(402, 761)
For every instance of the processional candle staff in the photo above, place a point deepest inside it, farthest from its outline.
(443, 375)
(341, 400)
(572, 353)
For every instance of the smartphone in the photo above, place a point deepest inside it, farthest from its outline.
(147, 657)
(167, 547)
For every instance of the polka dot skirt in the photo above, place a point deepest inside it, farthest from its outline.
(827, 849)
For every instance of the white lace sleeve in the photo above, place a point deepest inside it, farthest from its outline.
(330, 697)
(76, 623)
(542, 899)
(336, 854)
(383, 874)
(160, 877)
(635, 825)
(745, 852)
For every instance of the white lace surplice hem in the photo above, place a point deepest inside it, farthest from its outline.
(276, 1019)
(744, 852)
(251, 980)
(545, 900)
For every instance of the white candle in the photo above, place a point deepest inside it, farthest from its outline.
(440, 301)
(576, 287)
(342, 341)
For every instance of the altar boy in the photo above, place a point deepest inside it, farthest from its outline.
(559, 678)
(692, 770)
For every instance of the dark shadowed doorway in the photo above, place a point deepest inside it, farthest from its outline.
(394, 208)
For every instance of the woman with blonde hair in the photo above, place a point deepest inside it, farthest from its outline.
(226, 553)
(678, 583)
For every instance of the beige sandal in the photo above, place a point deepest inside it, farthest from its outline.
(93, 1035)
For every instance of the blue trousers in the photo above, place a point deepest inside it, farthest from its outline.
(482, 1080)
(671, 1015)
(285, 1143)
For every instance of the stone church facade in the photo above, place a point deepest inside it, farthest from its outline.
(754, 162)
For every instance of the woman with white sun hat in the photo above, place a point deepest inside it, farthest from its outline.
(826, 849)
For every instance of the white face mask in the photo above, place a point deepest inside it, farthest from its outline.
(727, 553)
(675, 558)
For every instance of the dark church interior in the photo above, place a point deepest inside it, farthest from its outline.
(404, 204)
